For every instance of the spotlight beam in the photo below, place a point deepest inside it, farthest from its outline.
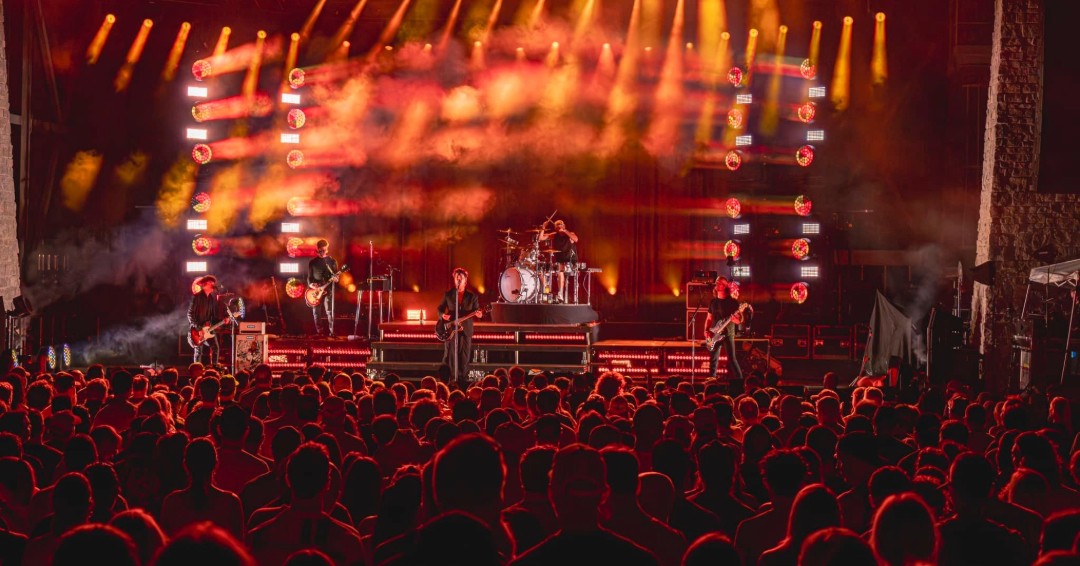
(391, 29)
(445, 37)
(177, 51)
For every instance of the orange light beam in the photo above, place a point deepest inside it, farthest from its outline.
(621, 100)
(177, 51)
(346, 28)
(751, 53)
(305, 32)
(391, 29)
(879, 64)
(770, 118)
(476, 62)
(123, 76)
(231, 108)
(712, 20)
(537, 14)
(493, 18)
(663, 131)
(251, 80)
(584, 20)
(94, 51)
(445, 38)
(841, 83)
(290, 58)
(720, 61)
(222, 42)
(815, 44)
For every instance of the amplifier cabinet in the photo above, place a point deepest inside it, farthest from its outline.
(791, 341)
(252, 328)
(250, 351)
(698, 292)
(832, 343)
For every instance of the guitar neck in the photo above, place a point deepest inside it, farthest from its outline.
(467, 317)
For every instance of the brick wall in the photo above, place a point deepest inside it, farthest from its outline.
(1014, 220)
(9, 243)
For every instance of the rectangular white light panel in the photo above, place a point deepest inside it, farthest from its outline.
(289, 267)
(744, 140)
(815, 135)
(196, 134)
(196, 91)
(290, 227)
(817, 92)
(290, 98)
(740, 271)
(744, 98)
(742, 228)
(290, 138)
(196, 224)
(808, 271)
(811, 228)
(196, 267)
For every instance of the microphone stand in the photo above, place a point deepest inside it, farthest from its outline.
(693, 336)
(457, 343)
(371, 286)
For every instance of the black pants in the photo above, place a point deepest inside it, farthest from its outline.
(215, 350)
(726, 343)
(324, 316)
(464, 350)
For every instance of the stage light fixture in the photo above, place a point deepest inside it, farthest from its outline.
(733, 289)
(195, 267)
(294, 288)
(805, 155)
(732, 249)
(799, 292)
(744, 140)
(66, 349)
(289, 267)
(200, 202)
(296, 118)
(811, 228)
(196, 134)
(807, 112)
(290, 138)
(802, 205)
(414, 314)
(744, 99)
(287, 98)
(733, 160)
(740, 271)
(735, 118)
(292, 247)
(51, 353)
(815, 135)
(290, 227)
(735, 77)
(197, 91)
(297, 78)
(196, 224)
(200, 69)
(295, 158)
(741, 229)
(808, 271)
(808, 69)
(202, 245)
(816, 92)
(201, 153)
(733, 207)
(800, 248)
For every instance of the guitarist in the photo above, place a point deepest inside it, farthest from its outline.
(321, 269)
(722, 307)
(205, 310)
(466, 302)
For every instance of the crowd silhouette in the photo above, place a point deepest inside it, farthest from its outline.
(318, 468)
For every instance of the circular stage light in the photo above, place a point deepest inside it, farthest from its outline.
(292, 247)
(733, 207)
(805, 155)
(294, 204)
(733, 160)
(52, 358)
(297, 118)
(294, 288)
(735, 76)
(732, 249)
(200, 112)
(800, 248)
(200, 202)
(201, 153)
(733, 289)
(807, 112)
(734, 118)
(202, 245)
(799, 292)
(802, 205)
(200, 69)
(807, 69)
(297, 78)
(295, 158)
(67, 356)
(195, 287)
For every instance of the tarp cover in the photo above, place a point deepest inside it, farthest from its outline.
(891, 335)
(1063, 274)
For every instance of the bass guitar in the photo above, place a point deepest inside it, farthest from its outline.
(201, 335)
(715, 332)
(315, 295)
(445, 329)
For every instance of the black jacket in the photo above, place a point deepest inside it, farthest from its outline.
(470, 303)
(321, 269)
(204, 309)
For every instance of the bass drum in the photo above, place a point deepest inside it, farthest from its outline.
(518, 285)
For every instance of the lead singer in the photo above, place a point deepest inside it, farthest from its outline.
(465, 302)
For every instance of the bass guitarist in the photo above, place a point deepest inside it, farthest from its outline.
(322, 269)
(458, 302)
(206, 309)
(720, 308)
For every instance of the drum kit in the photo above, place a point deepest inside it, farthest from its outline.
(531, 271)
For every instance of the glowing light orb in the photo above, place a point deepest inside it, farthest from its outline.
(802, 205)
(732, 249)
(200, 69)
(735, 76)
(292, 247)
(294, 288)
(805, 155)
(201, 153)
(800, 248)
(296, 78)
(295, 158)
(195, 287)
(52, 358)
(241, 307)
(294, 204)
(733, 289)
(807, 112)
(297, 118)
(200, 202)
(67, 355)
(734, 118)
(200, 112)
(808, 69)
(733, 207)
(733, 160)
(799, 292)
(202, 245)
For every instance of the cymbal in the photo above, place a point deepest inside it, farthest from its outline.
(535, 231)
(552, 252)
(508, 242)
(507, 231)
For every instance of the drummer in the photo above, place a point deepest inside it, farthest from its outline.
(564, 242)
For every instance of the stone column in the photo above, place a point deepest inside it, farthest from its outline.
(9, 243)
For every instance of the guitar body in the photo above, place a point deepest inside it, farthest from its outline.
(314, 296)
(712, 341)
(198, 336)
(445, 329)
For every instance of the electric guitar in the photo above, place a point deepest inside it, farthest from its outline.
(715, 332)
(445, 329)
(200, 335)
(315, 295)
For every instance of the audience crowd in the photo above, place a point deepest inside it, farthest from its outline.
(524, 468)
